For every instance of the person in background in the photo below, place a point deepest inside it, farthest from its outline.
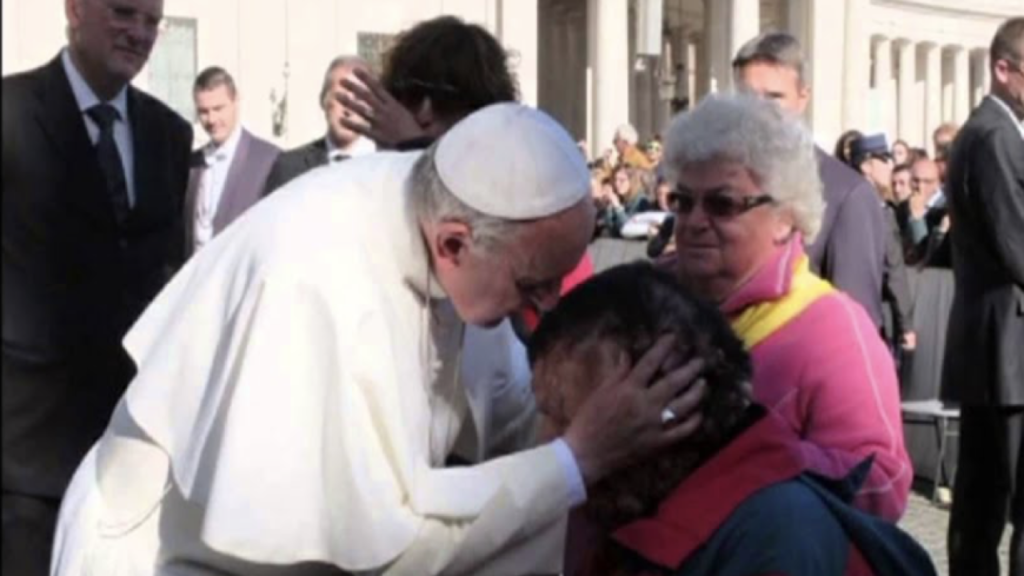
(927, 221)
(850, 250)
(654, 152)
(943, 138)
(747, 196)
(984, 368)
(630, 155)
(627, 198)
(842, 151)
(735, 497)
(94, 173)
(230, 172)
(340, 142)
(870, 155)
(901, 183)
(900, 152)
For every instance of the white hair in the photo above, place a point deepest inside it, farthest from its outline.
(433, 202)
(778, 150)
(627, 133)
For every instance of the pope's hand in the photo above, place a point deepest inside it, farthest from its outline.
(622, 421)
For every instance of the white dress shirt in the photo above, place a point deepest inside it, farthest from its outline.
(86, 99)
(361, 147)
(218, 161)
(1017, 121)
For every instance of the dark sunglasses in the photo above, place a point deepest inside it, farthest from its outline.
(716, 205)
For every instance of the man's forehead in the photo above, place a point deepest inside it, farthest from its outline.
(151, 8)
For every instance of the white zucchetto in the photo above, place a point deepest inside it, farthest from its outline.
(532, 146)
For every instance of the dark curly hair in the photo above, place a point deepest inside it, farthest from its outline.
(631, 306)
(461, 67)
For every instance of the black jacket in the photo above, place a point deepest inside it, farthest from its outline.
(74, 280)
(850, 249)
(984, 362)
(293, 163)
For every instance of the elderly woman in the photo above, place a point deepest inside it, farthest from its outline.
(747, 198)
(732, 498)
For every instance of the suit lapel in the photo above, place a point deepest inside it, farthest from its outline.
(226, 207)
(61, 120)
(316, 156)
(151, 201)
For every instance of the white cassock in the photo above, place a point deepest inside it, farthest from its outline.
(297, 395)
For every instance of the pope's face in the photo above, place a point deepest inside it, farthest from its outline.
(488, 285)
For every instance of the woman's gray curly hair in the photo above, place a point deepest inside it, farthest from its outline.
(778, 150)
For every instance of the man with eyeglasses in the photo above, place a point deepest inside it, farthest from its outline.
(927, 221)
(984, 369)
(340, 143)
(849, 252)
(94, 174)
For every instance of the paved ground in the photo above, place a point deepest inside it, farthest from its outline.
(927, 522)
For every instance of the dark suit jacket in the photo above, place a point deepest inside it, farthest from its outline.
(74, 280)
(244, 186)
(895, 286)
(984, 363)
(850, 249)
(294, 163)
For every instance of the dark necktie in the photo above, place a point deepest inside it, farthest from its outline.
(104, 115)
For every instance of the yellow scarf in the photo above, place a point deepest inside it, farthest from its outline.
(760, 321)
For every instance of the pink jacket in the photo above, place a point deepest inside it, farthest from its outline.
(828, 373)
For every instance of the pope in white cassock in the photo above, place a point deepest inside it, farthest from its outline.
(303, 379)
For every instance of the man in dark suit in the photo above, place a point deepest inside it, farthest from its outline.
(340, 142)
(984, 364)
(94, 178)
(869, 154)
(229, 173)
(850, 249)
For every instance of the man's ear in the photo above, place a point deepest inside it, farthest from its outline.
(451, 241)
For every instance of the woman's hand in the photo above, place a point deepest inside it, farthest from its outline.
(376, 114)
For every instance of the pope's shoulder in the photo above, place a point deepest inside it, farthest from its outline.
(332, 218)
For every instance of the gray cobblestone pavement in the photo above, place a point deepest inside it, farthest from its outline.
(927, 522)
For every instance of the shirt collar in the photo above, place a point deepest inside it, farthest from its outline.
(771, 281)
(360, 147)
(84, 95)
(1019, 123)
(227, 149)
(766, 453)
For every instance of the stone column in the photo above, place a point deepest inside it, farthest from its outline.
(884, 89)
(608, 47)
(908, 108)
(519, 33)
(961, 85)
(744, 25)
(932, 93)
(979, 86)
(856, 51)
(948, 94)
(716, 46)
